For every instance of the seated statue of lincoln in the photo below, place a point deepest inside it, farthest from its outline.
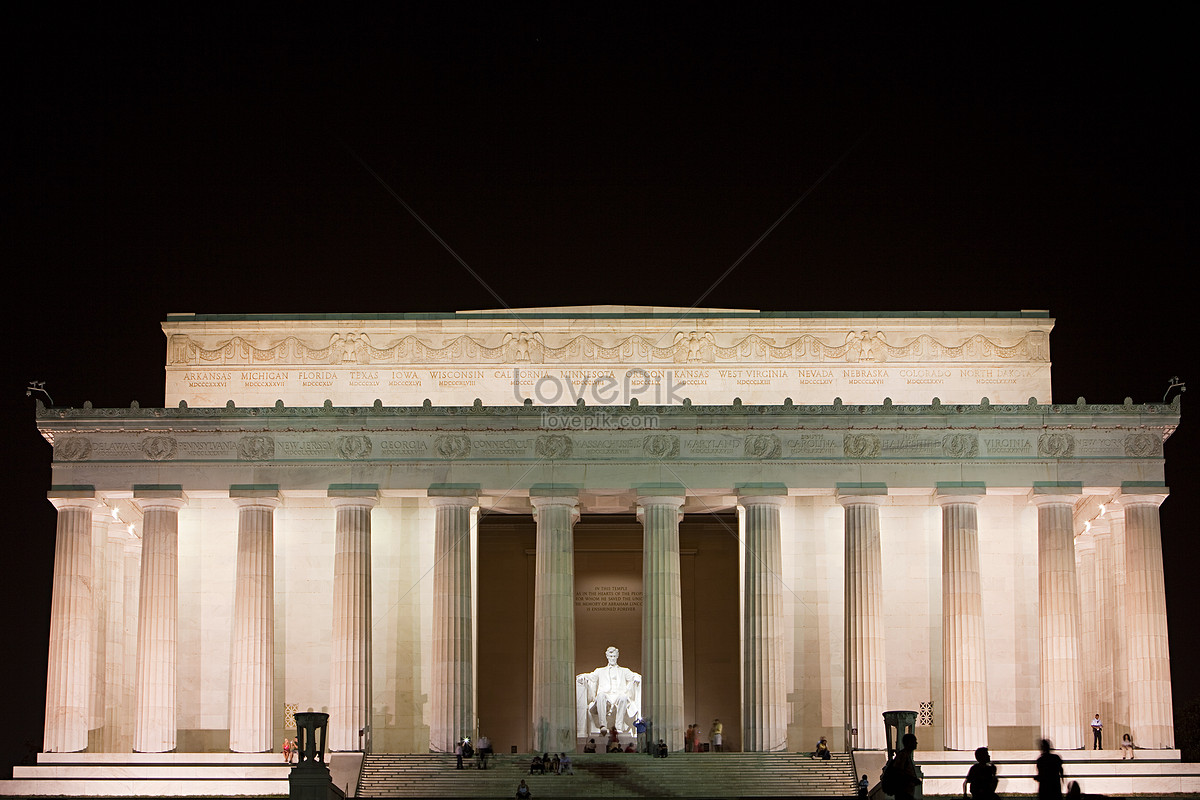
(608, 697)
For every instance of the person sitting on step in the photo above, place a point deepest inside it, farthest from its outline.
(822, 750)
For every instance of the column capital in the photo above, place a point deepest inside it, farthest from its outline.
(157, 495)
(255, 494)
(1132, 495)
(569, 501)
(861, 494)
(958, 499)
(454, 491)
(89, 503)
(750, 494)
(761, 499)
(353, 495)
(675, 500)
(465, 501)
(1040, 498)
(959, 493)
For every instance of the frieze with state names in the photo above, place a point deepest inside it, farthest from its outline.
(351, 348)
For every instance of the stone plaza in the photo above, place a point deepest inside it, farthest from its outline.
(432, 526)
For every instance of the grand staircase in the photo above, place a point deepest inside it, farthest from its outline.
(725, 775)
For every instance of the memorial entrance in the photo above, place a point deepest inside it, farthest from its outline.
(608, 612)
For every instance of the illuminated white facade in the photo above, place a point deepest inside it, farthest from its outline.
(316, 518)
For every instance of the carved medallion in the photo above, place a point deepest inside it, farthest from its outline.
(1142, 445)
(75, 448)
(553, 445)
(354, 448)
(256, 448)
(860, 445)
(159, 448)
(1056, 445)
(453, 445)
(763, 445)
(660, 445)
(960, 445)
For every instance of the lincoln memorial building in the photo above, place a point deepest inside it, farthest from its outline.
(433, 526)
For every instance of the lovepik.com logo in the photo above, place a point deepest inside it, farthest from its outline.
(597, 387)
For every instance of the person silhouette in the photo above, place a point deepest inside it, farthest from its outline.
(1049, 773)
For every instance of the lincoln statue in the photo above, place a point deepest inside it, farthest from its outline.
(608, 697)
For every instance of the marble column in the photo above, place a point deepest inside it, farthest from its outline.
(101, 521)
(1106, 631)
(133, 580)
(1089, 626)
(866, 642)
(1058, 615)
(158, 609)
(252, 647)
(764, 688)
(662, 618)
(112, 740)
(1150, 715)
(554, 624)
(69, 666)
(452, 709)
(964, 674)
(350, 661)
(1119, 604)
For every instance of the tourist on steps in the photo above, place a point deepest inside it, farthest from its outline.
(523, 790)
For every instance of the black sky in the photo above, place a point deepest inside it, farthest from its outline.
(206, 159)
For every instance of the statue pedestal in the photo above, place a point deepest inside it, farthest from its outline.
(312, 783)
(310, 779)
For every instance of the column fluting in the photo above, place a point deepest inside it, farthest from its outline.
(662, 618)
(866, 641)
(1058, 616)
(452, 713)
(1107, 631)
(69, 664)
(101, 521)
(964, 674)
(157, 641)
(764, 691)
(554, 624)
(350, 661)
(112, 740)
(1089, 626)
(1150, 715)
(252, 648)
(131, 604)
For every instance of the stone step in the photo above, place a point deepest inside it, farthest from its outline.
(615, 775)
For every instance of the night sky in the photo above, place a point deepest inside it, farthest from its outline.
(212, 161)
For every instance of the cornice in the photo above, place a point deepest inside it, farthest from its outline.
(1155, 414)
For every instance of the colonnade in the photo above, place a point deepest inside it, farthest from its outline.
(1101, 640)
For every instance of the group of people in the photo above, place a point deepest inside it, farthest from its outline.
(291, 749)
(1098, 739)
(900, 776)
(550, 764)
(691, 737)
(612, 743)
(465, 751)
